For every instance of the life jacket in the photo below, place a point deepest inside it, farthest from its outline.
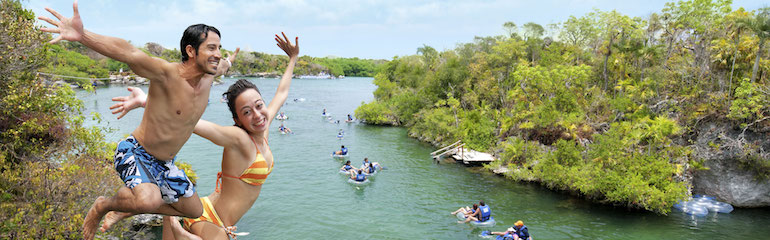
(485, 213)
(523, 232)
(360, 177)
(348, 167)
(344, 151)
(508, 236)
(371, 170)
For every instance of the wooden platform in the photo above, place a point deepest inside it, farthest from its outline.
(458, 152)
(469, 156)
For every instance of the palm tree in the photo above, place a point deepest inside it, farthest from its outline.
(760, 24)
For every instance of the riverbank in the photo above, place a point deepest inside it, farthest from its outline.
(412, 181)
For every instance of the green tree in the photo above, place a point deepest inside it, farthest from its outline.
(760, 25)
(45, 152)
(511, 29)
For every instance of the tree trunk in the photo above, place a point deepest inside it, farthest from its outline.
(732, 68)
(606, 58)
(756, 61)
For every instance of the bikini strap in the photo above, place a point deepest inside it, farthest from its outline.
(219, 177)
(255, 143)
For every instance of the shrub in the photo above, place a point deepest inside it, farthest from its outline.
(51, 167)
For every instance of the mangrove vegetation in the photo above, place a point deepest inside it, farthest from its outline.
(602, 105)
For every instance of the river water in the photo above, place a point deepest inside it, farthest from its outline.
(306, 198)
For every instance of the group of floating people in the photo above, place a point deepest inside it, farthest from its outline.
(360, 175)
(145, 159)
(481, 215)
(328, 116)
(282, 129)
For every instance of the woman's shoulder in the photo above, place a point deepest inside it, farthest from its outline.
(241, 137)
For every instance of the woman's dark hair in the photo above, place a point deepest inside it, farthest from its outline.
(235, 90)
(347, 163)
(476, 206)
(192, 36)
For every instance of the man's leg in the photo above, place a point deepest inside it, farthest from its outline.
(189, 207)
(113, 217)
(144, 198)
(184, 209)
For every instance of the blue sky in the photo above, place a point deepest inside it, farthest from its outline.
(344, 28)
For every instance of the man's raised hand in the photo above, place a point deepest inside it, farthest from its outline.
(70, 29)
(136, 99)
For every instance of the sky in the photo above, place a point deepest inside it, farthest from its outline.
(370, 29)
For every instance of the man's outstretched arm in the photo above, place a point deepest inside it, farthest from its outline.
(71, 29)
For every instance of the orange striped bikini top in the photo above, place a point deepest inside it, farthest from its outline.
(255, 174)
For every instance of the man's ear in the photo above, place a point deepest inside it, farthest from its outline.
(190, 51)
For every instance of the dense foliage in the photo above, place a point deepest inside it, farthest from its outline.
(51, 167)
(598, 105)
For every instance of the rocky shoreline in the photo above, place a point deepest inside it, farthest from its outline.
(715, 144)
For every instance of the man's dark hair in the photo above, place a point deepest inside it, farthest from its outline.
(235, 90)
(194, 35)
(481, 203)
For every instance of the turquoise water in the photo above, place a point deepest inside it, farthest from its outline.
(306, 198)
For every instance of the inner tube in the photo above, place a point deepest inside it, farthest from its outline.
(696, 196)
(339, 156)
(488, 223)
(282, 118)
(692, 208)
(357, 182)
(712, 205)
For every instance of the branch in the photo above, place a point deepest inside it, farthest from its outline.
(742, 135)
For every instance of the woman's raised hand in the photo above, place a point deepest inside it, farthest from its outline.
(285, 45)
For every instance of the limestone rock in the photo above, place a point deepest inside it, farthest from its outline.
(726, 179)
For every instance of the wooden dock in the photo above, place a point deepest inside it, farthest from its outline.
(460, 153)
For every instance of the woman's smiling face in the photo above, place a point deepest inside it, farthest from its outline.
(252, 111)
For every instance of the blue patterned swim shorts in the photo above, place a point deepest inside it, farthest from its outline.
(136, 166)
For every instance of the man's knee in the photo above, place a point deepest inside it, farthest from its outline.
(147, 199)
(191, 207)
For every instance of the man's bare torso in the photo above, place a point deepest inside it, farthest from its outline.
(172, 111)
